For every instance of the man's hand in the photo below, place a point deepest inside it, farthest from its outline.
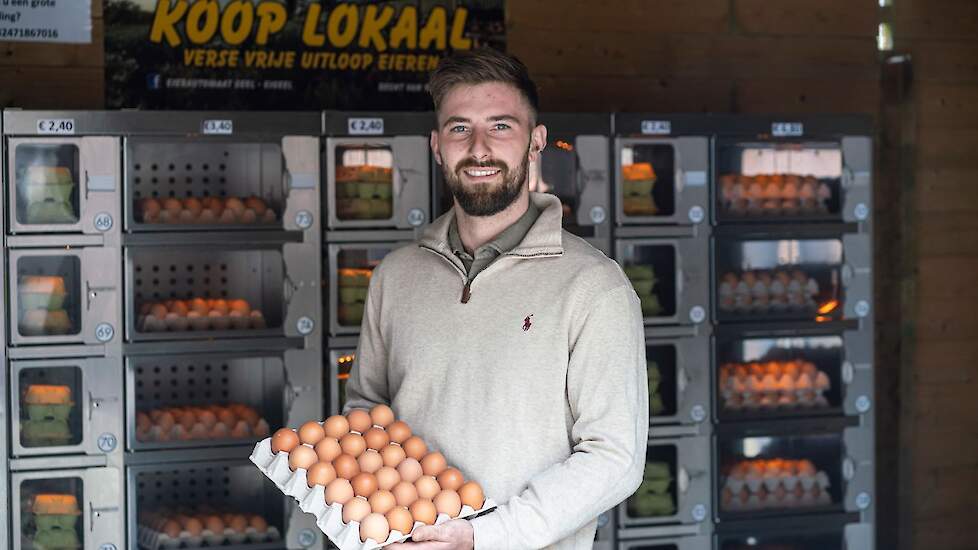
(456, 534)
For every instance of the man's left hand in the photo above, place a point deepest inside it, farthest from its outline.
(456, 534)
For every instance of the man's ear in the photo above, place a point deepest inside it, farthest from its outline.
(538, 141)
(434, 146)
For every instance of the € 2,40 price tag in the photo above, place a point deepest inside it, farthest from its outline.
(365, 126)
(56, 126)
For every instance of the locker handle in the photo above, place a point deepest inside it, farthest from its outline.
(681, 380)
(96, 402)
(94, 512)
(682, 480)
(92, 292)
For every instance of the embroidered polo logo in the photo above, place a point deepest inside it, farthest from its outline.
(527, 323)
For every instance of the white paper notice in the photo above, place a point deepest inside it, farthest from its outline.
(46, 21)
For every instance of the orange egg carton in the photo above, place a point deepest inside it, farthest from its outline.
(638, 171)
(55, 504)
(41, 394)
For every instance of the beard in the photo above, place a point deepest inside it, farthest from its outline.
(487, 199)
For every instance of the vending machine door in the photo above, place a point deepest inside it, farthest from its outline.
(662, 181)
(678, 369)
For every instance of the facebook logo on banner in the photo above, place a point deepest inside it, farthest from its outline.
(153, 81)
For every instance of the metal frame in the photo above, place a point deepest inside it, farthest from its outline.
(855, 535)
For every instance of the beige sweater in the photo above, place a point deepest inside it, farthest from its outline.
(536, 388)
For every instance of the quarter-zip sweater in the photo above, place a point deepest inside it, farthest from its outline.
(529, 377)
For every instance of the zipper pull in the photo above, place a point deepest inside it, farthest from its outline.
(466, 292)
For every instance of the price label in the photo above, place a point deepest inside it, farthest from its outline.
(656, 127)
(56, 126)
(217, 127)
(787, 129)
(365, 126)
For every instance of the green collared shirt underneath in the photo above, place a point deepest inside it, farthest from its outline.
(503, 243)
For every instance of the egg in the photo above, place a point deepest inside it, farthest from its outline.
(187, 420)
(376, 438)
(186, 216)
(173, 206)
(241, 306)
(142, 420)
(399, 519)
(178, 306)
(328, 449)
(199, 305)
(359, 420)
(339, 491)
(374, 526)
(364, 484)
(409, 470)
(427, 487)
(387, 478)
(152, 323)
(158, 310)
(149, 205)
(405, 493)
(198, 321)
(257, 319)
(448, 502)
(206, 216)
(218, 320)
(193, 526)
(450, 478)
(193, 205)
(165, 421)
(311, 433)
(235, 205)
(151, 217)
(355, 510)
(353, 444)
(214, 524)
(399, 431)
(433, 463)
(284, 440)
(255, 204)
(171, 529)
(346, 466)
(238, 320)
(336, 426)
(424, 511)
(415, 447)
(382, 501)
(258, 523)
(302, 457)
(381, 415)
(370, 461)
(241, 430)
(392, 455)
(320, 473)
(229, 418)
(167, 216)
(248, 216)
(471, 495)
(220, 306)
(228, 217)
(261, 429)
(212, 202)
(208, 419)
(268, 216)
(238, 523)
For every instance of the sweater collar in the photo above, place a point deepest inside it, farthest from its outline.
(543, 239)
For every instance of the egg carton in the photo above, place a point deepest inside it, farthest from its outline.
(329, 517)
(772, 483)
(152, 539)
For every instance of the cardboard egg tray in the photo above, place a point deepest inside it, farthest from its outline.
(154, 540)
(329, 517)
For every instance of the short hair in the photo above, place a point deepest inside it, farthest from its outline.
(471, 67)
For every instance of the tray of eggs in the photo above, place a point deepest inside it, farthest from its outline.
(778, 483)
(199, 314)
(200, 423)
(774, 195)
(205, 211)
(205, 526)
(768, 291)
(773, 385)
(368, 480)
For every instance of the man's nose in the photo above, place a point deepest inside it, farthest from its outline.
(479, 148)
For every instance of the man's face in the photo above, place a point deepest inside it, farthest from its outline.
(484, 142)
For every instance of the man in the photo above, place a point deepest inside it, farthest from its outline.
(511, 346)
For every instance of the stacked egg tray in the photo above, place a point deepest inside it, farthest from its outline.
(774, 195)
(151, 536)
(774, 484)
(212, 422)
(767, 291)
(206, 211)
(655, 496)
(773, 385)
(199, 314)
(656, 406)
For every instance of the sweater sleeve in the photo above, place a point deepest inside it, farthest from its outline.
(607, 389)
(367, 385)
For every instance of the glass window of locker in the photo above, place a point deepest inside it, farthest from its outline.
(656, 496)
(47, 179)
(796, 541)
(648, 181)
(662, 372)
(51, 512)
(354, 269)
(50, 406)
(652, 272)
(364, 182)
(48, 295)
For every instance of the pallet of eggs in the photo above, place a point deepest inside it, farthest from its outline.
(55, 519)
(352, 287)
(774, 195)
(768, 291)
(776, 483)
(199, 314)
(368, 480)
(654, 497)
(638, 180)
(196, 423)
(644, 281)
(364, 192)
(192, 528)
(773, 385)
(206, 211)
(42, 305)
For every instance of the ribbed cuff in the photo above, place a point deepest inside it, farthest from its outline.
(489, 532)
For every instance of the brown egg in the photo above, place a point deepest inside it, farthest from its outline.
(364, 484)
(238, 523)
(433, 463)
(206, 216)
(328, 449)
(311, 433)
(424, 510)
(256, 204)
(249, 415)
(355, 510)
(393, 455)
(399, 519)
(415, 447)
(150, 205)
(448, 502)
(346, 466)
(381, 415)
(359, 420)
(200, 306)
(214, 524)
(374, 526)
(471, 495)
(258, 523)
(387, 478)
(219, 431)
(450, 478)
(174, 206)
(336, 426)
(158, 310)
(235, 205)
(285, 439)
(427, 487)
(228, 217)
(208, 419)
(353, 444)
(248, 216)
(382, 501)
(370, 461)
(230, 419)
(405, 493)
(320, 473)
(171, 529)
(193, 205)
(179, 307)
(218, 320)
(399, 431)
(193, 526)
(302, 457)
(376, 438)
(257, 319)
(339, 491)
(166, 421)
(409, 470)
(241, 430)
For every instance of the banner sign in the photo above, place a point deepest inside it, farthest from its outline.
(46, 21)
(286, 54)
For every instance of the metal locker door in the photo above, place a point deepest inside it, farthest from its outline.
(302, 205)
(857, 178)
(857, 275)
(412, 181)
(302, 295)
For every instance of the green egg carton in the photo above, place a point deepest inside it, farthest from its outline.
(56, 539)
(366, 190)
(347, 189)
(58, 186)
(650, 305)
(350, 314)
(45, 433)
(651, 505)
(381, 209)
(350, 294)
(654, 486)
(384, 191)
(655, 404)
(55, 522)
(48, 412)
(657, 470)
(41, 300)
(637, 187)
(639, 273)
(643, 288)
(50, 212)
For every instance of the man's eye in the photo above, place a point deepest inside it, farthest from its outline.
(501, 126)
(457, 129)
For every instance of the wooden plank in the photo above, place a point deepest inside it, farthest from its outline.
(945, 61)
(649, 16)
(955, 532)
(947, 105)
(803, 17)
(947, 148)
(946, 361)
(812, 96)
(948, 277)
(952, 234)
(946, 492)
(937, 19)
(569, 93)
(946, 319)
(942, 189)
(34, 54)
(943, 447)
(42, 88)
